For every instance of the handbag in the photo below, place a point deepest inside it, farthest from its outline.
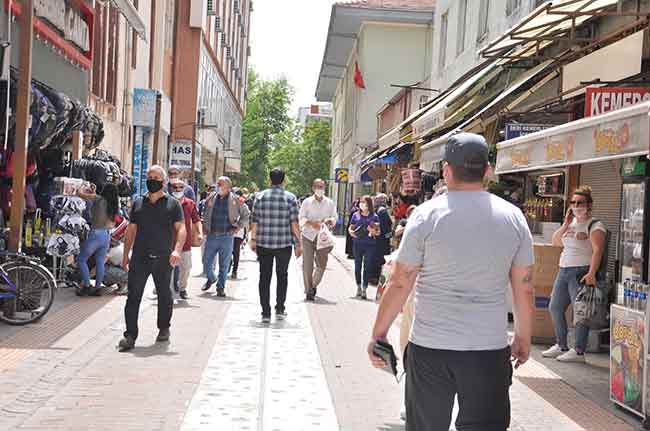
(590, 307)
(197, 240)
(325, 238)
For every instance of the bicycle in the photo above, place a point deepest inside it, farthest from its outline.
(26, 289)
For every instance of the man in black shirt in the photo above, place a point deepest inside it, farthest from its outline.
(156, 234)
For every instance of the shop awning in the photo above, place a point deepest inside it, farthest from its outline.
(390, 138)
(550, 22)
(618, 134)
(132, 17)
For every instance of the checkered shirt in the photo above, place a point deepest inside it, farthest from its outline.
(274, 210)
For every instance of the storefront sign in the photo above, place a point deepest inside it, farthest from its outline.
(515, 130)
(137, 160)
(627, 353)
(66, 19)
(619, 134)
(180, 154)
(606, 99)
(144, 107)
(429, 121)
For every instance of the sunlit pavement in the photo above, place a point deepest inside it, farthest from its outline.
(224, 370)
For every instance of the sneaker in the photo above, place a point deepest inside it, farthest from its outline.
(82, 291)
(571, 356)
(359, 292)
(121, 290)
(176, 289)
(311, 294)
(127, 343)
(363, 293)
(553, 352)
(206, 286)
(183, 294)
(221, 293)
(281, 315)
(266, 319)
(163, 335)
(233, 276)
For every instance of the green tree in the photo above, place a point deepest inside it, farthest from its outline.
(267, 117)
(304, 155)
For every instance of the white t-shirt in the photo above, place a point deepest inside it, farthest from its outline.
(577, 244)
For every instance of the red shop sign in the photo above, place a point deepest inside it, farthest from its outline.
(606, 99)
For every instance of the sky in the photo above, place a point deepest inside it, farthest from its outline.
(288, 39)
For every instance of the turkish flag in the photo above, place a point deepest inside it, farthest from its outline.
(358, 78)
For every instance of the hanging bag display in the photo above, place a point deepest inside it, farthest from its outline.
(325, 238)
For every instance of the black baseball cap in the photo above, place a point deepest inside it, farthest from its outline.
(467, 150)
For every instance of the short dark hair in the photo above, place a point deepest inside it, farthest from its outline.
(277, 176)
(468, 175)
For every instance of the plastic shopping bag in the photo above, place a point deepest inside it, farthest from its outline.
(325, 238)
(590, 307)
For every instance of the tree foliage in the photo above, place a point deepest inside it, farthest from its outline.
(267, 117)
(304, 155)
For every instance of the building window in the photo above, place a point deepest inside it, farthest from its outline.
(462, 21)
(423, 100)
(444, 23)
(134, 44)
(512, 6)
(483, 19)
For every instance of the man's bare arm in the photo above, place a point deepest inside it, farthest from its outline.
(129, 239)
(181, 236)
(399, 288)
(523, 300)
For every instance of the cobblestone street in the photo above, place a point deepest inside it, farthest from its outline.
(224, 370)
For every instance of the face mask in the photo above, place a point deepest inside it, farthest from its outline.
(154, 185)
(363, 207)
(178, 195)
(580, 212)
(319, 193)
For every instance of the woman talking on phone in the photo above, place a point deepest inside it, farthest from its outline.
(364, 230)
(583, 241)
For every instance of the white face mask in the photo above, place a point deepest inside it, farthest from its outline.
(580, 212)
(363, 207)
(319, 193)
(178, 195)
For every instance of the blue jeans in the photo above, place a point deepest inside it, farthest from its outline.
(564, 293)
(218, 244)
(364, 261)
(97, 245)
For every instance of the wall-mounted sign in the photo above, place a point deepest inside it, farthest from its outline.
(69, 21)
(515, 130)
(342, 175)
(606, 99)
(180, 154)
(144, 107)
(615, 135)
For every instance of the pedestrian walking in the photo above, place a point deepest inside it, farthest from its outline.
(104, 207)
(461, 251)
(364, 230)
(274, 231)
(317, 212)
(238, 240)
(349, 248)
(224, 216)
(583, 240)
(176, 173)
(156, 234)
(192, 221)
(385, 234)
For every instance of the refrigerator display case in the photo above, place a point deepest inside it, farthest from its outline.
(633, 238)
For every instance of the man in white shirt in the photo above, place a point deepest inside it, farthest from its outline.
(316, 211)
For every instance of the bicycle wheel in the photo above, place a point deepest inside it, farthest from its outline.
(35, 288)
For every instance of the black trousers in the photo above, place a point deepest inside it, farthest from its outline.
(139, 271)
(481, 379)
(236, 251)
(266, 256)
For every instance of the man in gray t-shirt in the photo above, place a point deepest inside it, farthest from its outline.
(462, 251)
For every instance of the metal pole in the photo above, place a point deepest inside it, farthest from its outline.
(156, 130)
(22, 125)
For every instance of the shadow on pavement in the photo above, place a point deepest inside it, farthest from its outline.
(391, 427)
(214, 297)
(157, 349)
(322, 301)
(185, 304)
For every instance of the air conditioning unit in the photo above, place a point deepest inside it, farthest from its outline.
(229, 53)
(217, 24)
(212, 7)
(224, 42)
(201, 115)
